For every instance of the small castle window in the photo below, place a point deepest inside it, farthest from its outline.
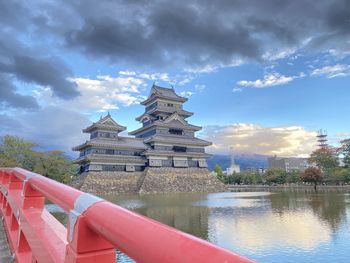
(179, 149)
(109, 151)
(175, 131)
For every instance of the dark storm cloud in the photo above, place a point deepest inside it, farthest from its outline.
(206, 32)
(161, 33)
(42, 70)
(8, 96)
(46, 72)
(29, 61)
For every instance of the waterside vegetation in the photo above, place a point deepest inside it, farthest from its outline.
(324, 169)
(18, 152)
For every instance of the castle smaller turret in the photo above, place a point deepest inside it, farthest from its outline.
(108, 151)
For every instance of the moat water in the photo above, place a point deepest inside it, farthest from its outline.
(267, 227)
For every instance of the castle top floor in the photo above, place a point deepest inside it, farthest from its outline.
(160, 93)
(105, 127)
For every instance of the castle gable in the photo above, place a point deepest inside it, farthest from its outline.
(175, 118)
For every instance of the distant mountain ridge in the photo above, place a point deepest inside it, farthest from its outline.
(245, 160)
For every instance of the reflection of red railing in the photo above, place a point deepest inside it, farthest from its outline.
(95, 227)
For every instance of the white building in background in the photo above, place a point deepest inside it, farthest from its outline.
(287, 164)
(234, 168)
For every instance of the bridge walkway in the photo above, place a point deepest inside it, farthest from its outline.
(5, 255)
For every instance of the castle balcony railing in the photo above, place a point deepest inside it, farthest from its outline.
(96, 227)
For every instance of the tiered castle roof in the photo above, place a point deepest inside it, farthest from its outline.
(165, 138)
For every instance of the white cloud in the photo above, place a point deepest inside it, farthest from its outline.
(199, 87)
(281, 54)
(343, 135)
(101, 94)
(201, 69)
(127, 73)
(254, 138)
(338, 70)
(154, 76)
(178, 79)
(209, 68)
(271, 79)
(186, 94)
(237, 90)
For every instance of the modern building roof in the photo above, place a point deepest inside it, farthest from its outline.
(105, 123)
(165, 93)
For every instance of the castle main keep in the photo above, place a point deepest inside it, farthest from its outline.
(165, 139)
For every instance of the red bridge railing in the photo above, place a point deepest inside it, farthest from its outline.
(95, 227)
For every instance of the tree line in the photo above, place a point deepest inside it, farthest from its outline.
(18, 152)
(324, 168)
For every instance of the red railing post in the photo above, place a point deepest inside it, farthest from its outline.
(31, 198)
(79, 235)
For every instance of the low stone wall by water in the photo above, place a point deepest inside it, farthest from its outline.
(172, 180)
(152, 180)
(108, 182)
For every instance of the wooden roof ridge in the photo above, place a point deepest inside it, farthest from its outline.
(175, 116)
(103, 122)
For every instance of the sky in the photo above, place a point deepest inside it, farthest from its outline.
(261, 76)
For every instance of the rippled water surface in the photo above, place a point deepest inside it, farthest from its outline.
(267, 227)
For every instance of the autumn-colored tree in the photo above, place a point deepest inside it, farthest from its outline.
(15, 151)
(55, 165)
(324, 158)
(313, 175)
(344, 149)
(275, 176)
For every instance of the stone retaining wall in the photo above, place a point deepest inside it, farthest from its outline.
(100, 183)
(152, 180)
(171, 180)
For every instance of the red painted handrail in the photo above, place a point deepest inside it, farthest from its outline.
(95, 229)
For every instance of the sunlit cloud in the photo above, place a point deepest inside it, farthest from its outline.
(100, 94)
(254, 138)
(269, 80)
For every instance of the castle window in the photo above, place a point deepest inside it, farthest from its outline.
(179, 149)
(109, 151)
(170, 105)
(93, 135)
(152, 106)
(175, 131)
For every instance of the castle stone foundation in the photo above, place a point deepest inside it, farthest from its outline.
(152, 180)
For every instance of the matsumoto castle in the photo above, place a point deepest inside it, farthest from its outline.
(165, 139)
